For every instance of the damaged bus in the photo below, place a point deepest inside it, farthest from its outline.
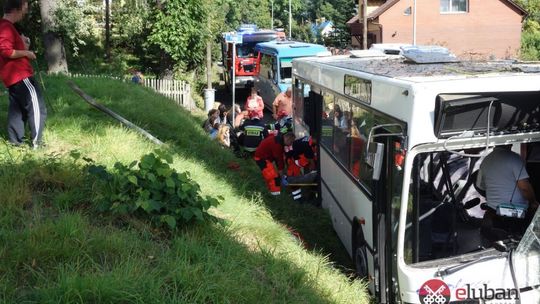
(400, 149)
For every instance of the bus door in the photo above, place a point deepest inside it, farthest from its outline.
(313, 113)
(386, 157)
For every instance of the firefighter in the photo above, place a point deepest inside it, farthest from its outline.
(301, 158)
(253, 132)
(270, 152)
(282, 125)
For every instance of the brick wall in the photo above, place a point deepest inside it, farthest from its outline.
(489, 28)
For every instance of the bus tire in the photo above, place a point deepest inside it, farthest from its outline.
(360, 256)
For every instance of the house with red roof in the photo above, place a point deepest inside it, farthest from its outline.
(480, 29)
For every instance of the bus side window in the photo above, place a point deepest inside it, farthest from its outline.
(327, 121)
(299, 101)
(342, 129)
(362, 121)
(265, 66)
(274, 75)
(358, 141)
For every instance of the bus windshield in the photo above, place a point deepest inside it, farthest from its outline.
(447, 207)
(529, 250)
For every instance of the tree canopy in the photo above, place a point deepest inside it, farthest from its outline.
(181, 29)
(158, 36)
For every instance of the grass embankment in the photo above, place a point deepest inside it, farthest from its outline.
(55, 248)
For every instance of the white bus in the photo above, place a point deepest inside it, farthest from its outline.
(396, 181)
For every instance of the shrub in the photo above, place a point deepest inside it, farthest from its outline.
(530, 45)
(151, 189)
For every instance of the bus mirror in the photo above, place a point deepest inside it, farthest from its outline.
(270, 74)
(374, 158)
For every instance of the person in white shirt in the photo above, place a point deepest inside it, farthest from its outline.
(504, 178)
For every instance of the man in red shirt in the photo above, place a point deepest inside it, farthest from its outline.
(270, 151)
(25, 100)
(282, 105)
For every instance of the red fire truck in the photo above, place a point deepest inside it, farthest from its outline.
(247, 60)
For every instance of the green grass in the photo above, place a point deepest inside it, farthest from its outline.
(54, 248)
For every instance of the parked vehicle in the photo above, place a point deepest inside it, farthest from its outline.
(395, 178)
(247, 60)
(276, 65)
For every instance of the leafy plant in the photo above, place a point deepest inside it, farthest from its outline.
(151, 189)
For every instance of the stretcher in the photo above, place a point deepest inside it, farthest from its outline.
(306, 180)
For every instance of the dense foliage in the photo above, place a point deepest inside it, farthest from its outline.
(181, 29)
(72, 24)
(530, 37)
(162, 37)
(159, 37)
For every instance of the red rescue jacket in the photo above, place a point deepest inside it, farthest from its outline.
(271, 148)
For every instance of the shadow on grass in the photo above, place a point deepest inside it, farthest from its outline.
(184, 136)
(56, 249)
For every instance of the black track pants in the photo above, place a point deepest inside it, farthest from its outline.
(26, 105)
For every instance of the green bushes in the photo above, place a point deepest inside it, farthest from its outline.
(530, 45)
(151, 189)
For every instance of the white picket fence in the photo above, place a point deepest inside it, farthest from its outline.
(178, 91)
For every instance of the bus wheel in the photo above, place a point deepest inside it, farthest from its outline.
(360, 261)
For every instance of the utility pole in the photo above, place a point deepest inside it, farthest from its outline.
(364, 25)
(209, 64)
(290, 20)
(209, 93)
(233, 81)
(272, 1)
(414, 23)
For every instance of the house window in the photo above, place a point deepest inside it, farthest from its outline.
(454, 6)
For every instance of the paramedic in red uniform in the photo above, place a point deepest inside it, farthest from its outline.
(270, 151)
(301, 155)
(25, 101)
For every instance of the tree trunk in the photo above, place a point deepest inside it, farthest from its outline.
(55, 54)
(166, 66)
(107, 29)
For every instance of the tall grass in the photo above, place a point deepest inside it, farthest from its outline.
(55, 249)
